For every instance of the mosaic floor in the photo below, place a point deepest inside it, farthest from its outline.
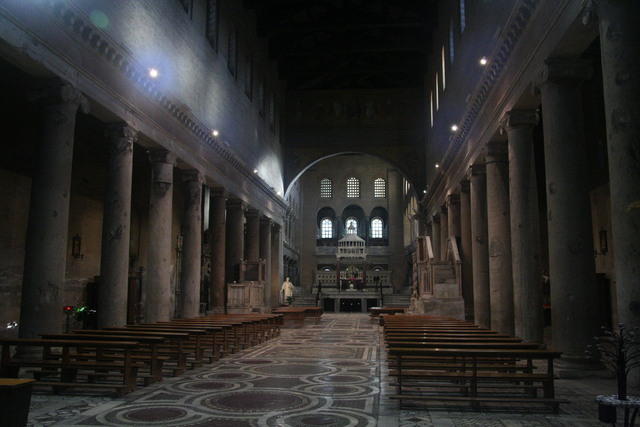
(325, 374)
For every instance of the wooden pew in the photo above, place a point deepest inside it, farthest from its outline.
(15, 397)
(64, 368)
(146, 353)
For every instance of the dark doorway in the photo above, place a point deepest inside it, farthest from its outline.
(350, 305)
(329, 305)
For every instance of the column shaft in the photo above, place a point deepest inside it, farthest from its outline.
(235, 239)
(620, 35)
(500, 273)
(465, 249)
(574, 299)
(435, 237)
(265, 254)
(444, 232)
(46, 242)
(479, 246)
(217, 239)
(525, 230)
(252, 243)
(158, 281)
(191, 244)
(116, 223)
(276, 264)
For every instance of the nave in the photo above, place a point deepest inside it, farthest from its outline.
(331, 372)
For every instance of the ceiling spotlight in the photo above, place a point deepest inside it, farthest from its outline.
(454, 128)
(437, 165)
(255, 171)
(215, 132)
(424, 191)
(279, 193)
(483, 61)
(154, 73)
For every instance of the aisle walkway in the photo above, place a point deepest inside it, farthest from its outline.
(326, 374)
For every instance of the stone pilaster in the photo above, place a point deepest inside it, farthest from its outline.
(574, 299)
(158, 281)
(265, 254)
(235, 238)
(191, 244)
(435, 236)
(465, 249)
(479, 245)
(217, 239)
(619, 36)
(46, 242)
(252, 243)
(498, 228)
(444, 232)
(276, 264)
(453, 214)
(116, 224)
(525, 225)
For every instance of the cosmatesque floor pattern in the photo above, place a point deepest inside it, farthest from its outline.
(329, 373)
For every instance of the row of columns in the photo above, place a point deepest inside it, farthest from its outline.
(46, 247)
(499, 216)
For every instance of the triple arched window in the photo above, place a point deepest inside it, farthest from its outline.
(326, 228)
(377, 227)
(351, 225)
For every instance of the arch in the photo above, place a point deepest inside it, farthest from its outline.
(381, 235)
(298, 173)
(357, 213)
(326, 214)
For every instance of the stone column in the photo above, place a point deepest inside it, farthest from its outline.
(46, 242)
(276, 264)
(444, 232)
(191, 244)
(235, 239)
(435, 237)
(453, 214)
(116, 223)
(498, 228)
(479, 245)
(158, 281)
(525, 226)
(619, 37)
(574, 298)
(395, 228)
(465, 249)
(253, 235)
(265, 254)
(217, 239)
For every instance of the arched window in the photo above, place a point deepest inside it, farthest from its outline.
(353, 187)
(326, 188)
(351, 225)
(379, 188)
(326, 228)
(376, 228)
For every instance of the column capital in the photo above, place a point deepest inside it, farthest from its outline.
(435, 218)
(160, 155)
(453, 199)
(465, 185)
(443, 209)
(120, 137)
(191, 175)
(477, 169)
(265, 221)
(58, 92)
(497, 151)
(219, 192)
(565, 70)
(515, 119)
(233, 203)
(252, 213)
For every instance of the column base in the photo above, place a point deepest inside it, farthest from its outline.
(574, 367)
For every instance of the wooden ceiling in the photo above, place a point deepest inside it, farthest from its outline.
(347, 44)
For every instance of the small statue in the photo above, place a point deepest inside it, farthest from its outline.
(286, 291)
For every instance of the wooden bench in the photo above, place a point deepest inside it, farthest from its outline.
(476, 374)
(377, 311)
(61, 369)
